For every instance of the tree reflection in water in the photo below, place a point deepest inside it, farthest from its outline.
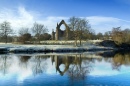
(77, 66)
(4, 63)
(79, 70)
(40, 64)
(120, 59)
(24, 61)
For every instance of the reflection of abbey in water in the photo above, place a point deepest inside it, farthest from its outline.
(61, 34)
(73, 64)
(67, 61)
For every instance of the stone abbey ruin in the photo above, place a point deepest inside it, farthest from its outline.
(61, 34)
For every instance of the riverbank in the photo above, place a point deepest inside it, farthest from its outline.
(88, 46)
(20, 48)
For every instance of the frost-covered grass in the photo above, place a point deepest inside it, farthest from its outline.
(31, 48)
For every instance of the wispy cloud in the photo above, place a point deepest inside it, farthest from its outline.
(102, 24)
(24, 18)
(18, 18)
(21, 17)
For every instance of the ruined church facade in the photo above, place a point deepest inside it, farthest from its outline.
(61, 34)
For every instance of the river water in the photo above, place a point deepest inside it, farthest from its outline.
(93, 69)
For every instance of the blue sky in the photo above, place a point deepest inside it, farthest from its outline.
(103, 15)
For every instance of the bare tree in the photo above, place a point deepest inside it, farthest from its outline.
(79, 27)
(100, 35)
(127, 35)
(24, 35)
(73, 23)
(121, 37)
(83, 27)
(118, 35)
(5, 30)
(39, 29)
(45, 36)
(23, 31)
(107, 35)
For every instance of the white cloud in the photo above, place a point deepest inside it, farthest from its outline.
(24, 14)
(22, 17)
(102, 24)
(96, 20)
(25, 70)
(18, 18)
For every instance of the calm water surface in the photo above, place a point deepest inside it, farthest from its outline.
(65, 70)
